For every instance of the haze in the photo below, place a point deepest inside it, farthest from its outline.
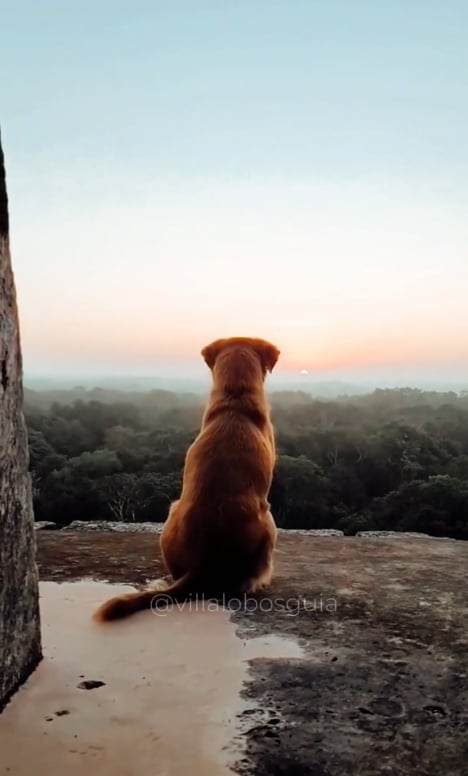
(291, 170)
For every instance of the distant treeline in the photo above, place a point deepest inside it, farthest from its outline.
(391, 460)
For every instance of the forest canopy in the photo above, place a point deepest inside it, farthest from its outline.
(390, 460)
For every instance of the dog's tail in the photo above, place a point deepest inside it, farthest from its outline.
(122, 606)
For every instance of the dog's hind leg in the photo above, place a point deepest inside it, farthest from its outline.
(172, 548)
(263, 562)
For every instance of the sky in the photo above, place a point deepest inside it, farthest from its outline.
(290, 169)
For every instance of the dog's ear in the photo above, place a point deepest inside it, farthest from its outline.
(211, 352)
(269, 355)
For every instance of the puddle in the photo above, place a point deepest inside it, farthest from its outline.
(271, 647)
(168, 701)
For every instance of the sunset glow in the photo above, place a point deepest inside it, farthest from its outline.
(194, 201)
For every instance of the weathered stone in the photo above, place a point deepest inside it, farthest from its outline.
(90, 684)
(393, 535)
(20, 640)
(369, 669)
(46, 525)
(110, 525)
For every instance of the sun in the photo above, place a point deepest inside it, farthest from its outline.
(304, 372)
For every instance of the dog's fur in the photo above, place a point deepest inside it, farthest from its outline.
(220, 535)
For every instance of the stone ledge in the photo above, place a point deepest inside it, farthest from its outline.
(114, 526)
(380, 685)
(399, 535)
(118, 527)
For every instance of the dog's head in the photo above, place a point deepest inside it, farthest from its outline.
(266, 353)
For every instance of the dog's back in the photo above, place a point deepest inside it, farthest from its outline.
(228, 474)
(223, 511)
(220, 535)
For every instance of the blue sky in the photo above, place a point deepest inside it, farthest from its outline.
(296, 170)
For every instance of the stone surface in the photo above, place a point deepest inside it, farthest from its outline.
(168, 698)
(45, 525)
(20, 643)
(392, 534)
(379, 681)
(110, 525)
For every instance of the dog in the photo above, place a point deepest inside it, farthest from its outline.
(219, 536)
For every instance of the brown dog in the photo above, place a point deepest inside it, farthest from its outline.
(220, 535)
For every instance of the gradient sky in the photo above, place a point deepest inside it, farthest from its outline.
(294, 169)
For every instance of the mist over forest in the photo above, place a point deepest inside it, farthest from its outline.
(393, 459)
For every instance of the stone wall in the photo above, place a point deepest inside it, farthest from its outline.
(20, 639)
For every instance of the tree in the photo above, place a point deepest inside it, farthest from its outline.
(97, 463)
(299, 494)
(130, 497)
(122, 495)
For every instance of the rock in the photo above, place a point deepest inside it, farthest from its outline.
(311, 531)
(90, 684)
(392, 535)
(377, 680)
(109, 525)
(20, 638)
(45, 525)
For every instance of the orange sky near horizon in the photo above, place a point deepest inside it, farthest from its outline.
(299, 265)
(177, 174)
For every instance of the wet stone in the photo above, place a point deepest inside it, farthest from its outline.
(90, 684)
